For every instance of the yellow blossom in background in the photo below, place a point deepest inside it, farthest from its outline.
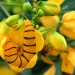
(57, 1)
(66, 66)
(71, 55)
(68, 26)
(48, 21)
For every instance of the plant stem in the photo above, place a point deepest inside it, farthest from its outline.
(24, 16)
(5, 11)
(51, 27)
(34, 20)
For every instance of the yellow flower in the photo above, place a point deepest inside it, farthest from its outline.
(71, 55)
(68, 26)
(48, 21)
(66, 65)
(21, 47)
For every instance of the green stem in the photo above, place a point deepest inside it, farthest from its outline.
(34, 20)
(24, 16)
(51, 28)
(5, 11)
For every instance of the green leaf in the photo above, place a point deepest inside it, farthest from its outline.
(68, 5)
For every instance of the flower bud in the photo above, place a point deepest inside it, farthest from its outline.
(37, 26)
(47, 10)
(27, 7)
(34, 10)
(19, 25)
(68, 26)
(57, 41)
(50, 8)
(10, 21)
(40, 13)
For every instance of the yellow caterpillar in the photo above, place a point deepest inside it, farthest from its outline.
(20, 56)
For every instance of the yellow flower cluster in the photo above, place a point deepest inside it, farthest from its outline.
(21, 40)
(68, 27)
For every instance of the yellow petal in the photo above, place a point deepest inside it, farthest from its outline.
(66, 66)
(16, 69)
(32, 62)
(2, 53)
(51, 71)
(57, 1)
(1, 49)
(48, 21)
(47, 60)
(39, 41)
(53, 52)
(71, 55)
(17, 35)
(65, 31)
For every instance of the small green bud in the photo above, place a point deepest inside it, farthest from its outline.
(57, 41)
(52, 6)
(10, 21)
(40, 13)
(27, 7)
(37, 26)
(19, 25)
(34, 10)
